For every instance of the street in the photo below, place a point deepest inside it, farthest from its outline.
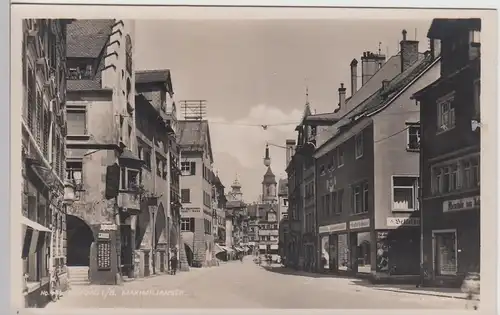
(246, 285)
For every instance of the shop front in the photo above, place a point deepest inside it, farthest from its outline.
(398, 248)
(360, 244)
(452, 241)
(334, 247)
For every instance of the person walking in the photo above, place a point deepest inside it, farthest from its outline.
(423, 273)
(241, 257)
(173, 263)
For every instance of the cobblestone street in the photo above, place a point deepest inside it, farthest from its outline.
(246, 285)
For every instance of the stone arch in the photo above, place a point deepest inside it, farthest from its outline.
(160, 224)
(79, 236)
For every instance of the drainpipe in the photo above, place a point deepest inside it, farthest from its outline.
(421, 201)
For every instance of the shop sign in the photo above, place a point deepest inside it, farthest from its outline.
(190, 210)
(103, 235)
(333, 228)
(108, 227)
(395, 222)
(359, 224)
(461, 204)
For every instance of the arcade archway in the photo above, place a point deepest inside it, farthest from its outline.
(79, 238)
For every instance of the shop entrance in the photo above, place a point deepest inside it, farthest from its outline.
(79, 238)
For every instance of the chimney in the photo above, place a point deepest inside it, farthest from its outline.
(370, 63)
(409, 52)
(341, 96)
(354, 76)
(290, 150)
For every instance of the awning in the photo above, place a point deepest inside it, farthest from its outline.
(239, 249)
(274, 246)
(262, 246)
(34, 235)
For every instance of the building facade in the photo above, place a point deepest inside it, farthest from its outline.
(268, 229)
(367, 174)
(219, 206)
(44, 253)
(102, 160)
(156, 124)
(450, 153)
(283, 214)
(196, 191)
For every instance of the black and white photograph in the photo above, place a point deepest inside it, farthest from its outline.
(258, 163)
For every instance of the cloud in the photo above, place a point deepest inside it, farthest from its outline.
(245, 140)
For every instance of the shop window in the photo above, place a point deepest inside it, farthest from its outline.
(445, 247)
(446, 113)
(188, 168)
(363, 252)
(185, 195)
(358, 149)
(404, 193)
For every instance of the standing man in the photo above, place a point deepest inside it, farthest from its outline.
(173, 262)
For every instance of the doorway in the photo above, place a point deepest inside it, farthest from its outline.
(79, 238)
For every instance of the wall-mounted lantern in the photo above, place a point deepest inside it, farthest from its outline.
(69, 192)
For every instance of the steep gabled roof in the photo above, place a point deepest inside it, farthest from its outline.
(194, 134)
(383, 97)
(87, 38)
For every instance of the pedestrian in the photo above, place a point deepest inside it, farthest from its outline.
(423, 273)
(173, 263)
(241, 258)
(472, 288)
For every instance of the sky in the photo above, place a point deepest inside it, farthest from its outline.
(255, 72)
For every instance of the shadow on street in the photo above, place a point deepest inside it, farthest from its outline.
(292, 272)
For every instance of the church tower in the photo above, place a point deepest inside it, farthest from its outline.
(235, 194)
(269, 195)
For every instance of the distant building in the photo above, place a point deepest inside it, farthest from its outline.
(219, 207)
(450, 153)
(268, 229)
(236, 218)
(282, 214)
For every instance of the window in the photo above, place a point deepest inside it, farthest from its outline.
(365, 197)
(188, 168)
(340, 200)
(147, 158)
(359, 145)
(74, 173)
(128, 53)
(187, 224)
(327, 204)
(357, 202)
(477, 98)
(340, 156)
(129, 179)
(404, 193)
(322, 170)
(334, 203)
(185, 195)
(77, 120)
(446, 113)
(413, 141)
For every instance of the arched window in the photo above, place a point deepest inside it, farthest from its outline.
(128, 53)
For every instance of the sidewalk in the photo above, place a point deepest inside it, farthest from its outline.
(452, 293)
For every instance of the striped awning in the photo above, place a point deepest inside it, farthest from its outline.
(34, 236)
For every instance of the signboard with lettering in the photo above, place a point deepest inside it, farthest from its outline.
(103, 236)
(461, 204)
(395, 222)
(333, 228)
(108, 227)
(359, 224)
(104, 255)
